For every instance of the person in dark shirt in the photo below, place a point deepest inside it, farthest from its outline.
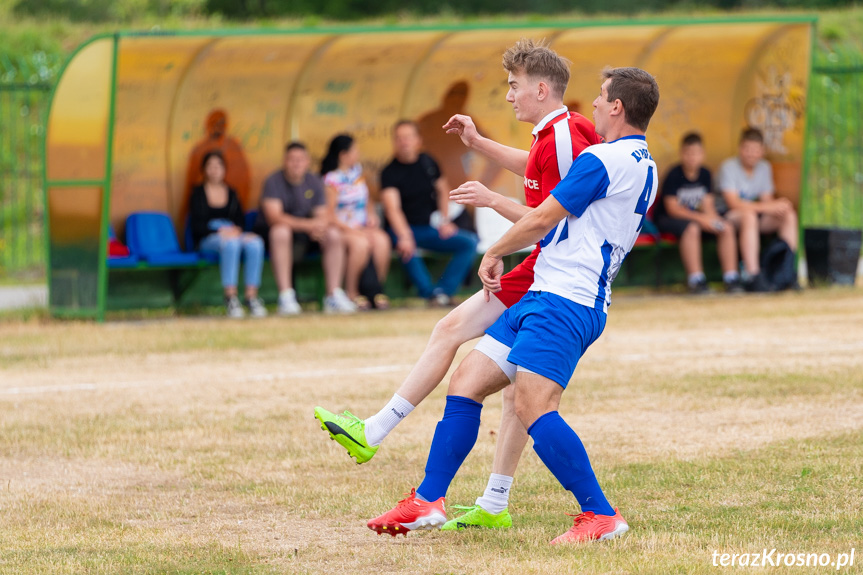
(412, 189)
(216, 221)
(687, 210)
(295, 220)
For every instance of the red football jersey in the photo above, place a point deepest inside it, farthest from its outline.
(558, 140)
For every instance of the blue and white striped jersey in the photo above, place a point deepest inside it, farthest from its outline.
(607, 192)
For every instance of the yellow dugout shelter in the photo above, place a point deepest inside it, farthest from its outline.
(131, 110)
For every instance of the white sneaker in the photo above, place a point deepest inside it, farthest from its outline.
(233, 308)
(339, 302)
(256, 307)
(288, 303)
(440, 299)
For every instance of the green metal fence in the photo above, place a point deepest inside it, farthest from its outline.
(833, 186)
(22, 241)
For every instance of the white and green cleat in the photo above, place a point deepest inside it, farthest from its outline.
(477, 517)
(349, 431)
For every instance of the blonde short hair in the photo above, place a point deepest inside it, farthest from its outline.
(539, 62)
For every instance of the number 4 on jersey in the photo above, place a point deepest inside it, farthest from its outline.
(644, 198)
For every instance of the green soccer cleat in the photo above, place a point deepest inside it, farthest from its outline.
(349, 431)
(476, 516)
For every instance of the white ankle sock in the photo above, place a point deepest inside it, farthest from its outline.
(379, 425)
(496, 496)
(693, 279)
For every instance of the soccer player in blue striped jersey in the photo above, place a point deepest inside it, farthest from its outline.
(585, 228)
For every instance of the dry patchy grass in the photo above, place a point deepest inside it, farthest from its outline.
(188, 446)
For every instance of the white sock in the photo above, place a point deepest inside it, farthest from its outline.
(729, 277)
(379, 425)
(695, 278)
(496, 496)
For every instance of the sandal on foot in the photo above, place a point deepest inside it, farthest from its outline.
(382, 302)
(362, 303)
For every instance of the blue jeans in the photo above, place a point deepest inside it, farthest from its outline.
(230, 251)
(463, 248)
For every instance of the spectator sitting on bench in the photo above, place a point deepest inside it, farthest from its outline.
(216, 221)
(348, 199)
(411, 190)
(217, 139)
(687, 211)
(294, 222)
(746, 182)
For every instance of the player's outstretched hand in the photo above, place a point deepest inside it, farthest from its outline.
(490, 272)
(473, 194)
(464, 127)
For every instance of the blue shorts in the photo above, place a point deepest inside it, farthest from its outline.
(547, 334)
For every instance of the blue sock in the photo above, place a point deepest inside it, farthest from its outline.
(454, 437)
(563, 453)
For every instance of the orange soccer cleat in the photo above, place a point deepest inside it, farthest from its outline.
(410, 514)
(589, 526)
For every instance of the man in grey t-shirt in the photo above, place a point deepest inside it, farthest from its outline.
(746, 183)
(294, 220)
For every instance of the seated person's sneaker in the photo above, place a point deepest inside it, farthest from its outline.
(339, 302)
(256, 307)
(288, 303)
(699, 287)
(476, 516)
(440, 299)
(410, 514)
(349, 431)
(233, 307)
(588, 527)
(734, 286)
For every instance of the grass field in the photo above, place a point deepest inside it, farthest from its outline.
(188, 446)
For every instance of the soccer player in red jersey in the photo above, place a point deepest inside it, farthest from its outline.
(537, 82)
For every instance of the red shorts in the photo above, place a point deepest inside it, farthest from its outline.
(516, 283)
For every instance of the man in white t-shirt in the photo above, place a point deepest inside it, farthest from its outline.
(746, 183)
(586, 227)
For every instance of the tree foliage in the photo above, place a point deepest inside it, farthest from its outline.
(126, 10)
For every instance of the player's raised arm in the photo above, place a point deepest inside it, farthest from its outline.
(476, 194)
(512, 159)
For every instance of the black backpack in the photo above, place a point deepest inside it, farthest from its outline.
(777, 266)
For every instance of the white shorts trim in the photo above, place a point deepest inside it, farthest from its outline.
(497, 352)
(526, 370)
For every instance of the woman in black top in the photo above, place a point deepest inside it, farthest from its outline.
(216, 220)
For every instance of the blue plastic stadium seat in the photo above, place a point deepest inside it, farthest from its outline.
(211, 257)
(123, 261)
(188, 240)
(251, 218)
(151, 236)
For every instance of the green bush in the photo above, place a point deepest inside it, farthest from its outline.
(108, 10)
